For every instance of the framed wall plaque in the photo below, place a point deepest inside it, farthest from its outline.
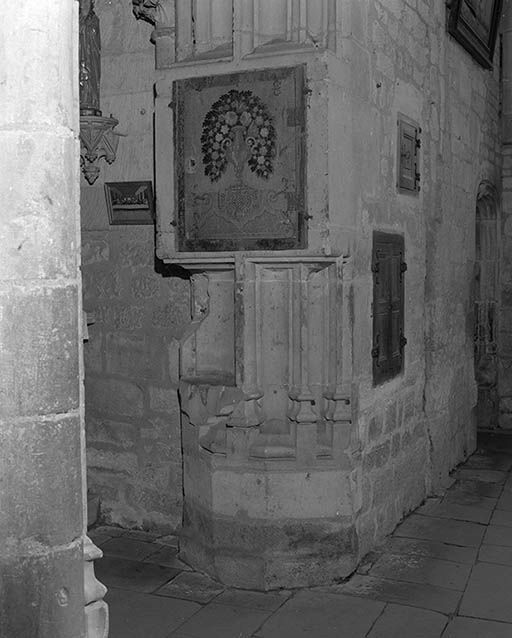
(474, 23)
(240, 161)
(130, 202)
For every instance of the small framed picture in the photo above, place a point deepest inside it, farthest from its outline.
(130, 202)
(474, 23)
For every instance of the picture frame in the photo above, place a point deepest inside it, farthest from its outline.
(130, 203)
(240, 161)
(474, 24)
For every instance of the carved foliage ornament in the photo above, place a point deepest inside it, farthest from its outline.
(238, 129)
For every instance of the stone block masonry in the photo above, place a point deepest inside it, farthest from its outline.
(41, 418)
(132, 414)
(416, 427)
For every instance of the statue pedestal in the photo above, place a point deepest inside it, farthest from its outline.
(97, 139)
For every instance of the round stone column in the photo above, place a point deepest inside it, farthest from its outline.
(41, 419)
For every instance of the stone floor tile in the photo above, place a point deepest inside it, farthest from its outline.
(164, 551)
(476, 488)
(127, 548)
(395, 591)
(495, 441)
(501, 517)
(170, 539)
(253, 599)
(441, 529)
(456, 511)
(98, 538)
(109, 530)
(315, 614)
(498, 535)
(418, 569)
(167, 556)
(192, 586)
(489, 593)
(485, 460)
(505, 501)
(419, 623)
(473, 628)
(224, 621)
(369, 561)
(467, 497)
(132, 575)
(495, 554)
(136, 615)
(485, 476)
(432, 549)
(141, 535)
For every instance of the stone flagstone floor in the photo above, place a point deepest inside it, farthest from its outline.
(445, 571)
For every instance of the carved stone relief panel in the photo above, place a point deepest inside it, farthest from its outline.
(240, 165)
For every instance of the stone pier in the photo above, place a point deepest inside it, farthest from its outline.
(41, 420)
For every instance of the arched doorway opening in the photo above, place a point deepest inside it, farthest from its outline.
(486, 305)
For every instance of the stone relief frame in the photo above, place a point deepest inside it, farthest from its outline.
(240, 161)
(474, 23)
(130, 203)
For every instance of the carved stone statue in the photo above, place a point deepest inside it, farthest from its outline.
(90, 60)
(158, 12)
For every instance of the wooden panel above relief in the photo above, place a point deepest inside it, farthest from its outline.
(240, 161)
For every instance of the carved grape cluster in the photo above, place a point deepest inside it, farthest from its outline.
(238, 109)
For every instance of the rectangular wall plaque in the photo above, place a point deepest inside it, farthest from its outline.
(240, 161)
(129, 202)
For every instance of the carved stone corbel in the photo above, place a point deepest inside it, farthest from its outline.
(161, 14)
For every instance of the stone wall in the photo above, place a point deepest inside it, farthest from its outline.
(505, 320)
(505, 325)
(398, 58)
(392, 57)
(139, 308)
